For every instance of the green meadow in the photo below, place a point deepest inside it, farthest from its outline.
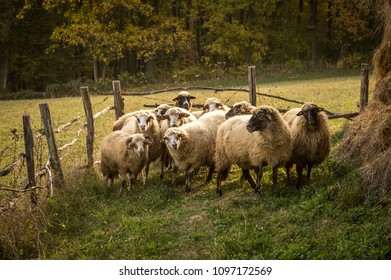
(329, 218)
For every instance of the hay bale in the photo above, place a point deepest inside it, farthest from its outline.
(377, 173)
(367, 145)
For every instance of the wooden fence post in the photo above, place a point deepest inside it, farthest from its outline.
(118, 100)
(90, 125)
(29, 151)
(54, 160)
(252, 86)
(364, 86)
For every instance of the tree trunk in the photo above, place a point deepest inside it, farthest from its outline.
(95, 64)
(3, 66)
(313, 27)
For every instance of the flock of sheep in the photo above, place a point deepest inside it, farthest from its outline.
(216, 137)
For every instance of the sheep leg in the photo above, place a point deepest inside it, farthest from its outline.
(189, 175)
(275, 170)
(218, 184)
(163, 160)
(132, 180)
(174, 171)
(288, 175)
(259, 177)
(246, 174)
(299, 169)
(210, 174)
(146, 171)
(309, 171)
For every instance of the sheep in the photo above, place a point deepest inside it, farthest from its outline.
(214, 103)
(252, 142)
(176, 116)
(118, 124)
(310, 138)
(160, 111)
(183, 100)
(192, 145)
(125, 155)
(240, 108)
(144, 122)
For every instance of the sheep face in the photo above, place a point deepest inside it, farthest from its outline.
(161, 110)
(242, 108)
(174, 117)
(310, 113)
(260, 120)
(183, 100)
(212, 104)
(173, 139)
(144, 121)
(138, 143)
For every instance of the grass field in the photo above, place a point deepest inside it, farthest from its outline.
(330, 218)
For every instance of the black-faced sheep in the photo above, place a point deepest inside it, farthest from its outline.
(252, 142)
(125, 155)
(192, 145)
(144, 122)
(310, 138)
(239, 109)
(183, 100)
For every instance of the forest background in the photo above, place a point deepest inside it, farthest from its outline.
(51, 46)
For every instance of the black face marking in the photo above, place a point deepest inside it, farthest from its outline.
(258, 121)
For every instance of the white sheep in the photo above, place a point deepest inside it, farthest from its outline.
(252, 142)
(211, 104)
(310, 138)
(192, 145)
(160, 111)
(144, 122)
(125, 155)
(176, 116)
(240, 108)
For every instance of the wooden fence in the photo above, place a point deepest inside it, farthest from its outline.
(53, 166)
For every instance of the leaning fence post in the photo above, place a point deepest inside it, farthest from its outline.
(252, 86)
(364, 86)
(90, 125)
(29, 151)
(118, 100)
(54, 160)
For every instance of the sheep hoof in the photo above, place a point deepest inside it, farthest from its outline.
(219, 193)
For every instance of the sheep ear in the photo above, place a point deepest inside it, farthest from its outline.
(148, 140)
(163, 139)
(205, 107)
(128, 142)
(175, 99)
(320, 109)
(299, 113)
(184, 115)
(164, 117)
(181, 135)
(192, 97)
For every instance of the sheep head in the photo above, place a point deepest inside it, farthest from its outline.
(174, 117)
(173, 138)
(310, 112)
(241, 108)
(138, 143)
(144, 121)
(183, 100)
(212, 104)
(161, 110)
(260, 119)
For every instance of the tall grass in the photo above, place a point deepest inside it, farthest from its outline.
(330, 218)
